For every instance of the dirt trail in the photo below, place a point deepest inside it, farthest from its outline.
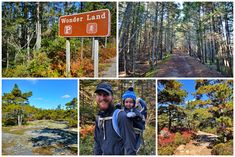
(111, 72)
(199, 146)
(183, 65)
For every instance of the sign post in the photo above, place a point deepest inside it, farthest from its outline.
(67, 57)
(88, 24)
(96, 58)
(93, 48)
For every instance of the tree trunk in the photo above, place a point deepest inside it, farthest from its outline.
(7, 54)
(28, 48)
(38, 28)
(19, 119)
(170, 120)
(154, 50)
(161, 32)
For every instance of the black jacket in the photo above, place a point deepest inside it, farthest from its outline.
(138, 121)
(107, 142)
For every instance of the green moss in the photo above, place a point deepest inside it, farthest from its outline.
(151, 72)
(16, 130)
(166, 58)
(74, 150)
(43, 150)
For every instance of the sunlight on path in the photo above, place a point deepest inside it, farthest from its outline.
(183, 65)
(111, 72)
(200, 146)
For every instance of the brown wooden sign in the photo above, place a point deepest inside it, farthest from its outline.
(88, 24)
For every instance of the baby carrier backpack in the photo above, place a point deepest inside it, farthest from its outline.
(142, 108)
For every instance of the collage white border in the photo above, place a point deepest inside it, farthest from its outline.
(117, 67)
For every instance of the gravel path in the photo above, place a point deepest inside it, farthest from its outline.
(112, 70)
(199, 146)
(183, 65)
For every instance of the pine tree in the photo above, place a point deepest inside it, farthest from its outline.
(13, 104)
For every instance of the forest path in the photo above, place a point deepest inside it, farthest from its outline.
(112, 70)
(183, 65)
(42, 137)
(198, 146)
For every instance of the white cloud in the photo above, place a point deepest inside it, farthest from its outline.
(39, 98)
(188, 101)
(33, 81)
(66, 96)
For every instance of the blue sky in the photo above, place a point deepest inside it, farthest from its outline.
(47, 94)
(189, 86)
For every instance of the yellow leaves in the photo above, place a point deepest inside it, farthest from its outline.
(202, 113)
(225, 120)
(220, 90)
(229, 105)
(199, 102)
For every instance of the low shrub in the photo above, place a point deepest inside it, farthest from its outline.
(86, 140)
(18, 71)
(223, 148)
(187, 136)
(179, 139)
(149, 147)
(165, 133)
(166, 150)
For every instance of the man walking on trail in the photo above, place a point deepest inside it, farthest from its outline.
(107, 141)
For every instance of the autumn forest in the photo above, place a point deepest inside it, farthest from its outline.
(190, 39)
(31, 46)
(195, 117)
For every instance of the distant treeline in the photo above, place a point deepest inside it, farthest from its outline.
(16, 110)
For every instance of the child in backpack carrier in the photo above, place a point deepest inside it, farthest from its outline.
(136, 110)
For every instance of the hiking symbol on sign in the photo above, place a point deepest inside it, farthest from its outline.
(68, 29)
(91, 28)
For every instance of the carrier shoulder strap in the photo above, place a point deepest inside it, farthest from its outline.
(100, 120)
(115, 121)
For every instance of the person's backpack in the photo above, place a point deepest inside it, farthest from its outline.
(142, 107)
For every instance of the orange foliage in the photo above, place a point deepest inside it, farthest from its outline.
(58, 62)
(86, 130)
(106, 53)
(81, 68)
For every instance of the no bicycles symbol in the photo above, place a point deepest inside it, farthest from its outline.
(89, 24)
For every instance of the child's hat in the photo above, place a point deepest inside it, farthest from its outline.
(129, 94)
